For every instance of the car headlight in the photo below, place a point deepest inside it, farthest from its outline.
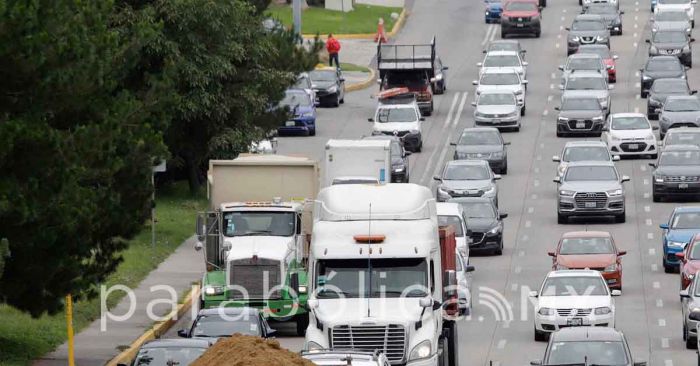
(659, 179)
(597, 119)
(302, 289)
(546, 311)
(654, 102)
(563, 119)
(653, 50)
(332, 89)
(645, 77)
(487, 12)
(308, 114)
(567, 193)
(518, 92)
(690, 277)
(650, 136)
(443, 191)
(422, 350)
(575, 39)
(600, 38)
(603, 310)
(495, 230)
(313, 346)
(676, 244)
(489, 189)
(460, 155)
(479, 114)
(611, 268)
(615, 192)
(213, 290)
(399, 169)
(687, 30)
(665, 119)
(614, 137)
(686, 48)
(497, 155)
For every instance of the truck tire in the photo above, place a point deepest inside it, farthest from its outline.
(302, 323)
(452, 343)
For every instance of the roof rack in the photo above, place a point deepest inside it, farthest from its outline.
(406, 57)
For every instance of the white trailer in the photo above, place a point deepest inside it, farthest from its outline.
(359, 160)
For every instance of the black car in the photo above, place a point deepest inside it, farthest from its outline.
(663, 88)
(588, 345)
(440, 84)
(610, 13)
(677, 172)
(329, 85)
(658, 67)
(580, 115)
(226, 321)
(672, 42)
(399, 158)
(483, 143)
(181, 352)
(587, 29)
(485, 223)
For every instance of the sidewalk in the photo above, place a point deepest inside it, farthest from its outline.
(94, 347)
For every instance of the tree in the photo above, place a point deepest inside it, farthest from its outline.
(77, 149)
(4, 254)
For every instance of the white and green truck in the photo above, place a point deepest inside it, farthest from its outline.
(256, 235)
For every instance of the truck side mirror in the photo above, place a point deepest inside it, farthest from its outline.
(182, 333)
(294, 282)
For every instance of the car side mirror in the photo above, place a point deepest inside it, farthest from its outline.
(621, 253)
(469, 268)
(693, 92)
(556, 159)
(379, 81)
(647, 41)
(663, 226)
(532, 294)
(611, 87)
(425, 302)
(370, 119)
(342, 80)
(525, 63)
(615, 292)
(453, 144)
(654, 128)
(684, 294)
(421, 119)
(475, 82)
(567, 28)
(561, 67)
(506, 143)
(524, 81)
(561, 86)
(503, 216)
(473, 104)
(437, 178)
(407, 153)
(622, 13)
(496, 177)
(625, 179)
(556, 180)
(536, 362)
(653, 165)
(657, 110)
(692, 40)
(269, 333)
(616, 158)
(551, 254)
(445, 67)
(615, 57)
(479, 64)
(182, 333)
(557, 108)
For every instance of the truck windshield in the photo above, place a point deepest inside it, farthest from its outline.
(395, 277)
(249, 223)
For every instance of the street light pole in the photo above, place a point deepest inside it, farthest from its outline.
(296, 12)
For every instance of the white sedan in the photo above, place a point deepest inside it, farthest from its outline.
(571, 298)
(630, 134)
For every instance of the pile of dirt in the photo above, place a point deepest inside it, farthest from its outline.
(244, 350)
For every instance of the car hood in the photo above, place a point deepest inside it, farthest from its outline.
(591, 186)
(669, 45)
(681, 235)
(323, 85)
(300, 110)
(678, 170)
(496, 109)
(520, 14)
(661, 97)
(578, 302)
(495, 6)
(511, 88)
(587, 93)
(610, 18)
(673, 6)
(396, 126)
(478, 148)
(690, 116)
(593, 33)
(586, 260)
(354, 311)
(680, 25)
(630, 134)
(580, 114)
(478, 224)
(467, 184)
(663, 74)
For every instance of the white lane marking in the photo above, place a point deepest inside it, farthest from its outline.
(525, 237)
(647, 209)
(545, 112)
(662, 322)
(652, 251)
(553, 76)
(501, 344)
(539, 157)
(646, 182)
(487, 36)
(518, 269)
(635, 25)
(537, 170)
(636, 109)
(636, 18)
(563, 10)
(536, 183)
(656, 284)
(643, 168)
(636, 74)
(556, 45)
(455, 100)
(493, 34)
(530, 209)
(654, 267)
(636, 3)
(455, 121)
(637, 85)
(528, 223)
(634, 44)
(638, 96)
(549, 98)
(559, 36)
(648, 222)
(521, 253)
(646, 195)
(636, 9)
(659, 303)
(562, 18)
(534, 196)
(668, 362)
(561, 27)
(650, 236)
(514, 287)
(664, 342)
(551, 86)
(635, 36)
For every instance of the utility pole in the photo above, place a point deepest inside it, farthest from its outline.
(296, 13)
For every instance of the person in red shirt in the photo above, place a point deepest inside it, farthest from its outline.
(333, 47)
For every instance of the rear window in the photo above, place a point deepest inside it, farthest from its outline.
(521, 6)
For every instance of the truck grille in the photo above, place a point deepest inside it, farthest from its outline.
(587, 199)
(628, 147)
(576, 125)
(574, 312)
(250, 273)
(682, 179)
(389, 339)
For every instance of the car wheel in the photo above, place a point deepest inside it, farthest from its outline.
(312, 132)
(537, 35)
(504, 170)
(522, 110)
(336, 102)
(540, 336)
(420, 147)
(690, 343)
(621, 218)
(504, 35)
(656, 197)
(692, 24)
(667, 268)
(642, 93)
(561, 219)
(342, 100)
(499, 250)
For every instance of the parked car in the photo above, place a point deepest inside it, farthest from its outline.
(181, 352)
(504, 80)
(587, 29)
(580, 114)
(682, 136)
(504, 59)
(572, 298)
(658, 67)
(483, 143)
(485, 224)
(690, 308)
(493, 11)
(467, 178)
(329, 85)
(521, 17)
(672, 42)
(586, 3)
(630, 134)
(589, 84)
(303, 113)
(227, 321)
(610, 13)
(685, 5)
(576, 151)
(679, 111)
(595, 345)
(304, 83)
(689, 261)
(497, 109)
(399, 158)
(402, 118)
(682, 225)
(662, 89)
(677, 172)
(594, 250)
(671, 20)
(608, 58)
(590, 189)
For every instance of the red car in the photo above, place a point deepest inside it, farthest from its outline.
(594, 250)
(690, 261)
(604, 52)
(521, 17)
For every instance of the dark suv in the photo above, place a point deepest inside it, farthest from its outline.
(399, 158)
(521, 17)
(677, 172)
(658, 67)
(587, 29)
(580, 115)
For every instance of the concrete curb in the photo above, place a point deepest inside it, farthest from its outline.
(156, 331)
(363, 84)
(394, 30)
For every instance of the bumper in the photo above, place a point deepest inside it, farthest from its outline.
(556, 322)
(613, 206)
(520, 28)
(677, 188)
(665, 126)
(645, 147)
(575, 127)
(498, 122)
(303, 126)
(270, 308)
(430, 361)
(487, 242)
(692, 326)
(426, 106)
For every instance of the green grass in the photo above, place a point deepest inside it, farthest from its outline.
(318, 20)
(23, 339)
(353, 67)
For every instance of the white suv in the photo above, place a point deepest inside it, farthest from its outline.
(402, 120)
(500, 80)
(571, 298)
(504, 59)
(630, 134)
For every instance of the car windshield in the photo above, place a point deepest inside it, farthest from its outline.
(391, 115)
(500, 79)
(303, 83)
(497, 99)
(670, 37)
(480, 138)
(251, 223)
(586, 153)
(351, 278)
(671, 64)
(690, 157)
(451, 220)
(504, 46)
(215, 325)
(602, 51)
(465, 172)
(598, 9)
(584, 63)
(576, 83)
(630, 123)
(323, 75)
(586, 246)
(671, 16)
(161, 356)
(578, 104)
(574, 286)
(501, 61)
(682, 138)
(670, 86)
(521, 6)
(588, 25)
(686, 220)
(478, 210)
(682, 105)
(588, 352)
(295, 98)
(592, 173)
(674, 2)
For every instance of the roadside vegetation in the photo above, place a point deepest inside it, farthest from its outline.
(363, 19)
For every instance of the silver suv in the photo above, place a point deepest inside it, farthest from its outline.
(588, 84)
(591, 188)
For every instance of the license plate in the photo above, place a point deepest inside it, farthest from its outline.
(574, 322)
(290, 124)
(633, 146)
(683, 186)
(590, 204)
(520, 25)
(496, 121)
(580, 125)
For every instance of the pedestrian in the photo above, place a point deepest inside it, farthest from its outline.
(333, 47)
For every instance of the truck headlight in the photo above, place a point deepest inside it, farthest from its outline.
(213, 290)
(611, 268)
(546, 311)
(598, 119)
(489, 190)
(602, 310)
(313, 346)
(497, 155)
(615, 192)
(565, 192)
(302, 289)
(422, 350)
(676, 244)
(646, 78)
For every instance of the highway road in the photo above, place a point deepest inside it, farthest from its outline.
(648, 312)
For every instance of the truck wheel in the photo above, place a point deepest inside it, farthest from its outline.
(302, 323)
(499, 250)
(452, 344)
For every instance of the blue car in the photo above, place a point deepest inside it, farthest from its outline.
(682, 225)
(303, 113)
(493, 11)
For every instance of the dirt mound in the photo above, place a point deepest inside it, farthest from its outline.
(243, 350)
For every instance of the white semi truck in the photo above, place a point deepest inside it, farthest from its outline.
(357, 161)
(377, 271)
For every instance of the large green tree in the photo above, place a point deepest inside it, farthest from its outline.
(76, 148)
